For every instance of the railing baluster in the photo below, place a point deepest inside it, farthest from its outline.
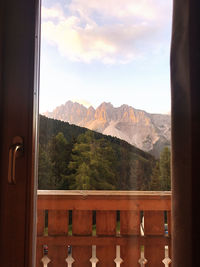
(69, 260)
(118, 260)
(142, 261)
(45, 260)
(94, 259)
(167, 260)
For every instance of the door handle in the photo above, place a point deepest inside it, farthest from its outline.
(16, 150)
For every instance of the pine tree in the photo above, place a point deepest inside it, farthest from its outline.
(155, 184)
(44, 174)
(165, 169)
(91, 164)
(59, 153)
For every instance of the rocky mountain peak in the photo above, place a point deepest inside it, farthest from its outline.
(91, 109)
(106, 105)
(69, 102)
(90, 114)
(104, 112)
(149, 132)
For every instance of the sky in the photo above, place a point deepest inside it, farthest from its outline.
(95, 51)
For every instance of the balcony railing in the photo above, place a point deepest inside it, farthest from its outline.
(103, 229)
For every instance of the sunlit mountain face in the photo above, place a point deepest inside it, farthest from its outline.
(149, 132)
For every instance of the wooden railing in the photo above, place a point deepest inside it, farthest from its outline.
(103, 229)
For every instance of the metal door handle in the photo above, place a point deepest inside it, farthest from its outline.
(16, 150)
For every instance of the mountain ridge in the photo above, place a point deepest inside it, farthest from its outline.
(149, 132)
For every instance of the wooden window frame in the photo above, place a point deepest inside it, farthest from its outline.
(185, 69)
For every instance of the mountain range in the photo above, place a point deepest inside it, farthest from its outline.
(149, 132)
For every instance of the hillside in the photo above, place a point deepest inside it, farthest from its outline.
(73, 157)
(149, 132)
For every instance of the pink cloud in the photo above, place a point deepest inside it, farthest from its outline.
(80, 37)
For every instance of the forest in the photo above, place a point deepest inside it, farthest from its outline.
(75, 158)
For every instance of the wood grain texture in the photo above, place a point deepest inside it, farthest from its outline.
(57, 255)
(106, 238)
(95, 201)
(17, 211)
(155, 249)
(82, 226)
(106, 226)
(58, 222)
(106, 223)
(154, 223)
(82, 222)
(129, 222)
(82, 256)
(130, 254)
(40, 222)
(39, 254)
(106, 256)
(98, 240)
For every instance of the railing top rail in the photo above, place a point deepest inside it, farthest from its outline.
(104, 200)
(101, 193)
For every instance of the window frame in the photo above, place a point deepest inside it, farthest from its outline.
(185, 69)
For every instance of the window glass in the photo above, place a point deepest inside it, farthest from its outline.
(104, 142)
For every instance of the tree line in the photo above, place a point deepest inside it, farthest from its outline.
(86, 161)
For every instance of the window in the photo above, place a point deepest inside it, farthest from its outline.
(184, 168)
(99, 54)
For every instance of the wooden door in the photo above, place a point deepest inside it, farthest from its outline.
(18, 98)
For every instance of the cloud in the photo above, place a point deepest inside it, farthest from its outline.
(144, 9)
(109, 31)
(84, 102)
(52, 13)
